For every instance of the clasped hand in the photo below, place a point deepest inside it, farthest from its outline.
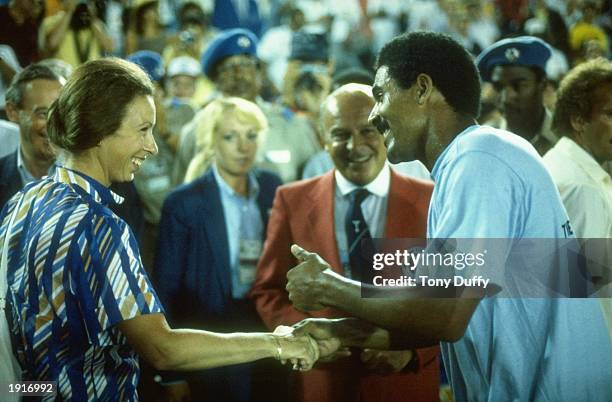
(301, 351)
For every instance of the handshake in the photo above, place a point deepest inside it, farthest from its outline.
(302, 350)
(324, 340)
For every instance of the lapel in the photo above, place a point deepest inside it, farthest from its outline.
(263, 201)
(403, 217)
(213, 221)
(9, 169)
(320, 220)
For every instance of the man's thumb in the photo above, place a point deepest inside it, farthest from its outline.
(300, 253)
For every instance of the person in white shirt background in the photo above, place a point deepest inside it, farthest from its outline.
(583, 116)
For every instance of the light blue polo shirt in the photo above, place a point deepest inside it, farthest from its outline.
(490, 183)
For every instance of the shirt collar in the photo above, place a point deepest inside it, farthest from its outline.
(99, 192)
(582, 158)
(447, 152)
(253, 187)
(26, 175)
(379, 186)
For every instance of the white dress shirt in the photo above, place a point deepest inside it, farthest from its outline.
(585, 187)
(586, 191)
(374, 208)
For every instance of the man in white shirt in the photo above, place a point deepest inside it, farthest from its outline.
(582, 116)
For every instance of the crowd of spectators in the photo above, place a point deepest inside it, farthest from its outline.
(352, 31)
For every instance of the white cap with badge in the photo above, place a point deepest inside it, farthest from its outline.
(183, 65)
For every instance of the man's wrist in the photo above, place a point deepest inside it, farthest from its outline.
(277, 347)
(354, 332)
(330, 283)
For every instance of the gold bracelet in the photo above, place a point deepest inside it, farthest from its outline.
(279, 348)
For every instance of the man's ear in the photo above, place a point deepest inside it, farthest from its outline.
(577, 123)
(12, 112)
(423, 87)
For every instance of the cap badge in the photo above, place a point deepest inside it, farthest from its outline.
(243, 41)
(512, 54)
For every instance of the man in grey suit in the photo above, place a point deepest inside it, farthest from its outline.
(30, 95)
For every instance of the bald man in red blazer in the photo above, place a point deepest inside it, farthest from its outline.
(304, 213)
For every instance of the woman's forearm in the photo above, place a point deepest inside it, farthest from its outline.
(195, 350)
(189, 349)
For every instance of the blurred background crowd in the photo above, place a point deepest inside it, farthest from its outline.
(295, 53)
(301, 45)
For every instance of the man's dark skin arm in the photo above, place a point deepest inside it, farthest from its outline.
(398, 323)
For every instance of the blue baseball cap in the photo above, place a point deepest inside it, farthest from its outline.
(151, 62)
(527, 51)
(228, 43)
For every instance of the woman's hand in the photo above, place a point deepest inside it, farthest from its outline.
(302, 351)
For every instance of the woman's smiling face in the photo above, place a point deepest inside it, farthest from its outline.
(122, 153)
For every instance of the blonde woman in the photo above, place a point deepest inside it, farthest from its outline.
(211, 234)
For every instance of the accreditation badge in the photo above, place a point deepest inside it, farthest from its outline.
(250, 250)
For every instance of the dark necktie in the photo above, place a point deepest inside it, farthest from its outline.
(358, 236)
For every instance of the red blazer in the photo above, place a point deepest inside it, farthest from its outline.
(303, 214)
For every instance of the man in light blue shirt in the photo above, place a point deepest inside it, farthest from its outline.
(491, 184)
(488, 184)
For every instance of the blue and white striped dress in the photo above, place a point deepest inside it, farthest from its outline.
(74, 272)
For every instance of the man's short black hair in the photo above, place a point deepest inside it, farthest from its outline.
(14, 93)
(450, 66)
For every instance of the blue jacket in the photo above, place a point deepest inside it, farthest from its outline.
(10, 181)
(192, 263)
(192, 275)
